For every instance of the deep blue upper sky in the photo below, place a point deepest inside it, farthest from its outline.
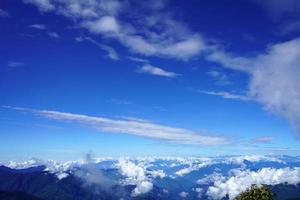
(149, 78)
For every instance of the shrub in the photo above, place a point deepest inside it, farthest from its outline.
(256, 193)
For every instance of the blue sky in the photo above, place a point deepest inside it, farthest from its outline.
(160, 78)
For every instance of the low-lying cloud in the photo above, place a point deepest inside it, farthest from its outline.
(242, 180)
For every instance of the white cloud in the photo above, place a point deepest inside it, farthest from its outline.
(194, 166)
(143, 187)
(53, 35)
(139, 172)
(242, 180)
(106, 24)
(3, 13)
(136, 175)
(157, 173)
(251, 158)
(230, 61)
(219, 77)
(136, 59)
(133, 127)
(151, 34)
(227, 95)
(60, 169)
(43, 5)
(149, 69)
(183, 194)
(263, 139)
(200, 192)
(38, 26)
(210, 178)
(274, 75)
(186, 48)
(274, 78)
(111, 52)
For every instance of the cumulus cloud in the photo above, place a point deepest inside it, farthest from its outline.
(199, 192)
(60, 169)
(136, 175)
(143, 172)
(210, 178)
(251, 158)
(183, 194)
(150, 33)
(274, 77)
(275, 80)
(111, 52)
(132, 126)
(195, 165)
(150, 69)
(242, 180)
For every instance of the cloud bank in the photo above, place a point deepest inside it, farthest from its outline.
(242, 180)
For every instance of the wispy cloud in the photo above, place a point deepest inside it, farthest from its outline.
(289, 27)
(131, 126)
(161, 35)
(150, 69)
(38, 26)
(111, 52)
(43, 27)
(136, 59)
(274, 74)
(262, 139)
(14, 64)
(279, 8)
(120, 101)
(53, 35)
(3, 13)
(43, 5)
(227, 95)
(219, 77)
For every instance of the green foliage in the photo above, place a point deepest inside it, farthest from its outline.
(256, 193)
